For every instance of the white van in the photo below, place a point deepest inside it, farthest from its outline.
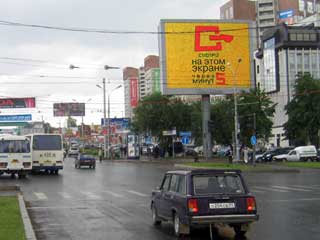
(302, 153)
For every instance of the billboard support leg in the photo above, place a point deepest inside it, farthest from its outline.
(206, 134)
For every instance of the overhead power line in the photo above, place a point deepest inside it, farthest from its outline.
(106, 31)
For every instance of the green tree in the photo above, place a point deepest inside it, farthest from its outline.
(255, 104)
(303, 112)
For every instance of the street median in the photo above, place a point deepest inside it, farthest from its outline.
(261, 168)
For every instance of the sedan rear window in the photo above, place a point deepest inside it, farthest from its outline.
(215, 184)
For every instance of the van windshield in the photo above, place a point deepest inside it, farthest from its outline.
(213, 184)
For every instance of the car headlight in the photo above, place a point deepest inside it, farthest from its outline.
(268, 155)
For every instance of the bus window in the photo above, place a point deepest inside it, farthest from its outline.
(47, 142)
(14, 146)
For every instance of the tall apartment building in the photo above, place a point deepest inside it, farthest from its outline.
(238, 9)
(131, 92)
(141, 82)
(269, 13)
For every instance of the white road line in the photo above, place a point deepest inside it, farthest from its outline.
(137, 193)
(307, 187)
(296, 200)
(41, 196)
(91, 195)
(291, 189)
(113, 194)
(65, 195)
(270, 189)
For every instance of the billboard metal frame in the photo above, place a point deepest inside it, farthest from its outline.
(202, 91)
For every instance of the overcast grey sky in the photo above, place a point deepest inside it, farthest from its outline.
(89, 51)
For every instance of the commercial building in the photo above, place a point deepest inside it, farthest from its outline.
(238, 9)
(286, 51)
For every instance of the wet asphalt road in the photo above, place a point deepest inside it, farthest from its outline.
(112, 202)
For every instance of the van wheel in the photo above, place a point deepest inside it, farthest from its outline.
(284, 160)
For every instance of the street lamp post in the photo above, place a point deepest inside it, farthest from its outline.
(235, 100)
(106, 143)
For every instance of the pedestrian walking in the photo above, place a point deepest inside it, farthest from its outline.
(100, 154)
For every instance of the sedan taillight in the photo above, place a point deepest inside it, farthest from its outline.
(251, 204)
(193, 205)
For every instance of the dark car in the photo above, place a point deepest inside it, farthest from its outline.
(204, 197)
(268, 155)
(85, 160)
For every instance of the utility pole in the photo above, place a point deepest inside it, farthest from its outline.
(104, 117)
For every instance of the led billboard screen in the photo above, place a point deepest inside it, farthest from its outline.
(68, 109)
(17, 103)
(202, 56)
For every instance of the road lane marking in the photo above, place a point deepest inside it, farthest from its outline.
(113, 194)
(296, 200)
(65, 195)
(91, 195)
(307, 187)
(41, 196)
(291, 189)
(270, 189)
(137, 193)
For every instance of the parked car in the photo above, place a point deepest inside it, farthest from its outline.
(85, 160)
(302, 153)
(193, 198)
(268, 155)
(73, 152)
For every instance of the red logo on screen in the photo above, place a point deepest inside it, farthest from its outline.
(216, 38)
(6, 102)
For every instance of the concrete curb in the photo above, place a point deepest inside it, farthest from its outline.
(250, 171)
(30, 235)
(10, 188)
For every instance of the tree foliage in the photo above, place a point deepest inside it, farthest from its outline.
(304, 112)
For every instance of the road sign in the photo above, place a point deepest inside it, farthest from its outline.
(253, 140)
(185, 140)
(16, 118)
(169, 132)
(185, 134)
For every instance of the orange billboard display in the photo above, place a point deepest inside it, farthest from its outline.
(206, 57)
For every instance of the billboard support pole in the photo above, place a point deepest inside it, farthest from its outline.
(206, 134)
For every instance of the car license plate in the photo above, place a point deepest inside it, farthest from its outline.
(221, 205)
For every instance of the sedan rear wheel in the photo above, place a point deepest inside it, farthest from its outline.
(155, 218)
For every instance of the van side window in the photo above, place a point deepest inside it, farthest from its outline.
(293, 153)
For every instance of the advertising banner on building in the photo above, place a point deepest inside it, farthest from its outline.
(134, 98)
(156, 80)
(206, 57)
(68, 109)
(17, 103)
(117, 124)
(286, 16)
(16, 118)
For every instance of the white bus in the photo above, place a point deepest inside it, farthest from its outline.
(15, 155)
(47, 152)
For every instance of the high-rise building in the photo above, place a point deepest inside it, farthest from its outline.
(238, 9)
(269, 13)
(152, 74)
(131, 92)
